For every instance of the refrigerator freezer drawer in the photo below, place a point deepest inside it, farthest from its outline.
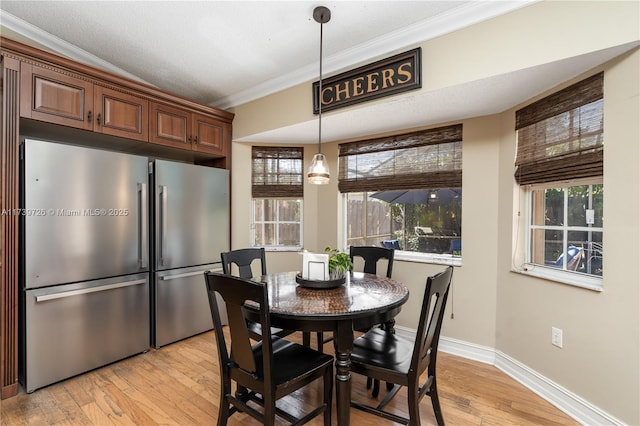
(181, 304)
(75, 328)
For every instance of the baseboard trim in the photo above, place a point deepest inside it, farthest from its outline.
(566, 401)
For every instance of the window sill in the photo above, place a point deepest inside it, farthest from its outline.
(281, 248)
(570, 278)
(438, 259)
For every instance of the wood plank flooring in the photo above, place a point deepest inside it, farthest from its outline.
(179, 385)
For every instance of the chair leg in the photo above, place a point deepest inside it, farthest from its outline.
(389, 386)
(435, 402)
(369, 382)
(269, 411)
(306, 338)
(413, 402)
(328, 395)
(376, 388)
(320, 340)
(223, 414)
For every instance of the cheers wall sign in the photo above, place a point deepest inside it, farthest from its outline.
(389, 76)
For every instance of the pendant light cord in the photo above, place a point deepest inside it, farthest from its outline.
(320, 97)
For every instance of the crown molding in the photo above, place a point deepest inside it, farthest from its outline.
(410, 36)
(465, 15)
(60, 47)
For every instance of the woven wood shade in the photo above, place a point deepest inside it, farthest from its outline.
(560, 137)
(429, 159)
(277, 172)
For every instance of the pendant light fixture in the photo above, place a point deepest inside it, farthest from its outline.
(319, 170)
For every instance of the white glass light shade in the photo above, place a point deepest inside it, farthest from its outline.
(319, 170)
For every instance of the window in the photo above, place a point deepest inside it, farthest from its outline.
(405, 192)
(277, 191)
(566, 228)
(559, 165)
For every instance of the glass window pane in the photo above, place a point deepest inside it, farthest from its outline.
(578, 203)
(421, 220)
(594, 255)
(546, 247)
(265, 234)
(553, 207)
(270, 212)
(258, 210)
(597, 203)
(289, 234)
(289, 210)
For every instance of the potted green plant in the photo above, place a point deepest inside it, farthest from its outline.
(339, 263)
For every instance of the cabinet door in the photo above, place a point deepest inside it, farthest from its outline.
(54, 97)
(169, 126)
(210, 135)
(121, 114)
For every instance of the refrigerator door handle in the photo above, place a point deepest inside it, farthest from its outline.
(163, 223)
(61, 295)
(143, 243)
(188, 274)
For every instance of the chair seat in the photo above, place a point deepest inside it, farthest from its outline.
(290, 360)
(380, 349)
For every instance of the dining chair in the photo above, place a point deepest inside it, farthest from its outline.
(402, 358)
(265, 371)
(371, 256)
(243, 260)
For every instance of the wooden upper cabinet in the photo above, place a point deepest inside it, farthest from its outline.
(185, 129)
(121, 114)
(61, 98)
(55, 97)
(60, 91)
(210, 135)
(169, 126)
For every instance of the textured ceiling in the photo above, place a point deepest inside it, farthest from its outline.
(226, 53)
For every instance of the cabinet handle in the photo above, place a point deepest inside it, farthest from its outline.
(89, 116)
(195, 140)
(99, 118)
(190, 139)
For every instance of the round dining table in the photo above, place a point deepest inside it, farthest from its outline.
(363, 301)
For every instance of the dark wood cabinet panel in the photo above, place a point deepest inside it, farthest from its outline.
(55, 97)
(169, 126)
(61, 98)
(121, 114)
(210, 135)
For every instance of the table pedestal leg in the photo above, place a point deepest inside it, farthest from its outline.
(343, 345)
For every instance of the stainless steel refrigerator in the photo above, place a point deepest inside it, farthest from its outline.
(85, 260)
(191, 229)
(114, 249)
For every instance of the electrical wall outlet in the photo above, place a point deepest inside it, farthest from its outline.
(556, 337)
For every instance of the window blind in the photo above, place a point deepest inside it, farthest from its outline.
(429, 159)
(560, 137)
(277, 172)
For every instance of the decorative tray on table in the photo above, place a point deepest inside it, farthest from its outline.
(322, 284)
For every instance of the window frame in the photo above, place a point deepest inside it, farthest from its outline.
(404, 255)
(580, 162)
(574, 278)
(444, 145)
(276, 183)
(277, 223)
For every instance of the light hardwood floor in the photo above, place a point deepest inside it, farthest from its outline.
(179, 385)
